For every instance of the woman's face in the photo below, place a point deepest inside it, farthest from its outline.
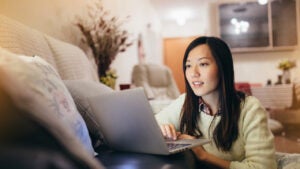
(202, 71)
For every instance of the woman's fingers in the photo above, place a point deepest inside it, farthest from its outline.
(169, 131)
(163, 130)
(186, 136)
(173, 132)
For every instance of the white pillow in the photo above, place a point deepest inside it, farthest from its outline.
(71, 61)
(35, 87)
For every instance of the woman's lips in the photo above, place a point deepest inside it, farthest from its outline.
(197, 83)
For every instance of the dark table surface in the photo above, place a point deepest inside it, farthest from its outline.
(127, 160)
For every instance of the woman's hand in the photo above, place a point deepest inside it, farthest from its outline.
(186, 136)
(169, 131)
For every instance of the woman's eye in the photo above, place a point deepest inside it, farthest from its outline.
(187, 66)
(204, 64)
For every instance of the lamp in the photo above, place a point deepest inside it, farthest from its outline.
(262, 2)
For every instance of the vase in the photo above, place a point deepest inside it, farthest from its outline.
(108, 81)
(286, 76)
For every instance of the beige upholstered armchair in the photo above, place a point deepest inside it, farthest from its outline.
(157, 80)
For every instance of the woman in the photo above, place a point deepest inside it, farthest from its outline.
(212, 108)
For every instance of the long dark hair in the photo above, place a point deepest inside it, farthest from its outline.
(226, 131)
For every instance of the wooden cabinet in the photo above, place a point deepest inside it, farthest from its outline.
(284, 23)
(249, 26)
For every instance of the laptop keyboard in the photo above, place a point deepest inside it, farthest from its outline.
(172, 146)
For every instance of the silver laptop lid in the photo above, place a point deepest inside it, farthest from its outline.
(127, 121)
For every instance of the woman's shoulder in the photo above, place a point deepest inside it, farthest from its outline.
(251, 102)
(179, 101)
(182, 96)
(253, 116)
(174, 105)
(171, 113)
(251, 106)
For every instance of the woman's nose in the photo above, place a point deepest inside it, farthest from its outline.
(196, 71)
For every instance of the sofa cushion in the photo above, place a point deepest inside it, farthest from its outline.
(21, 39)
(80, 91)
(35, 87)
(71, 61)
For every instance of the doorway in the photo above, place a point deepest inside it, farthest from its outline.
(174, 49)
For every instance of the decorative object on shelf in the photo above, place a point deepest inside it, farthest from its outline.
(279, 80)
(285, 66)
(104, 35)
(109, 79)
(269, 82)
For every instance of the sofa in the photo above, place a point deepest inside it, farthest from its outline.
(40, 124)
(45, 121)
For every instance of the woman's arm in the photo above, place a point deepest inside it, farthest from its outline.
(204, 156)
(171, 113)
(257, 138)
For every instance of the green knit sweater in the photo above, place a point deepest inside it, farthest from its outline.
(254, 147)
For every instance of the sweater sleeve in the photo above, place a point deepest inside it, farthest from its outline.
(259, 141)
(171, 114)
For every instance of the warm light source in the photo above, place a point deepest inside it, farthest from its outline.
(180, 16)
(181, 21)
(240, 26)
(262, 2)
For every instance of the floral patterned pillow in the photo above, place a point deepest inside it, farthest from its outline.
(35, 87)
(48, 84)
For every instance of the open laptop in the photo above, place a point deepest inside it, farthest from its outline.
(127, 123)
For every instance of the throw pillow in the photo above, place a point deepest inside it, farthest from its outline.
(35, 87)
(68, 58)
(48, 83)
(80, 91)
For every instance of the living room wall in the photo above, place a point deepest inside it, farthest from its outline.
(144, 21)
(254, 67)
(56, 18)
(52, 17)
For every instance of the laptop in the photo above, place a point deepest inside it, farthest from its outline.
(127, 123)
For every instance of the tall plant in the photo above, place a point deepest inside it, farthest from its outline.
(104, 35)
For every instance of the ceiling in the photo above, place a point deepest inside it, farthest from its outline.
(176, 10)
(172, 9)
